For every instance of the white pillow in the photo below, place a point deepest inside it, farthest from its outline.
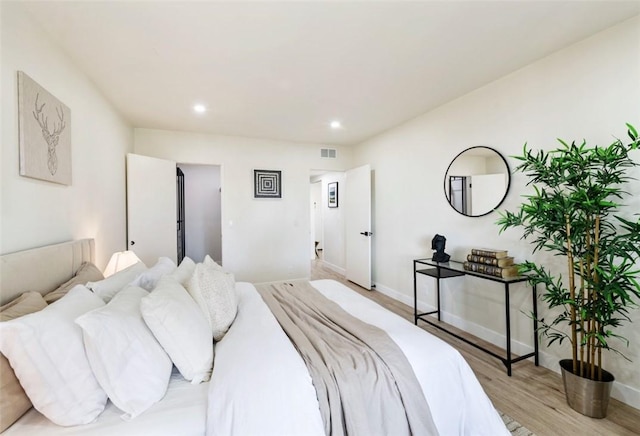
(110, 286)
(46, 351)
(212, 263)
(181, 328)
(184, 271)
(125, 357)
(148, 279)
(214, 291)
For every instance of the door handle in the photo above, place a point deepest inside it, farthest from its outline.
(133, 243)
(367, 233)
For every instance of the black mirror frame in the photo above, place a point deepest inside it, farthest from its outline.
(506, 191)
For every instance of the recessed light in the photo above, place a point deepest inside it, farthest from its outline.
(335, 124)
(199, 108)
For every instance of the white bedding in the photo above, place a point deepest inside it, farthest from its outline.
(260, 385)
(181, 412)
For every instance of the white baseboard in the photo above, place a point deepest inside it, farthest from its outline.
(394, 294)
(621, 392)
(335, 268)
(498, 339)
(626, 394)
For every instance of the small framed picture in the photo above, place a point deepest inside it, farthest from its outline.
(267, 184)
(333, 194)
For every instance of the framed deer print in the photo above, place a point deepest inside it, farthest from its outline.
(44, 129)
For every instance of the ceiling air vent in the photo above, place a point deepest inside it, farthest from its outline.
(329, 153)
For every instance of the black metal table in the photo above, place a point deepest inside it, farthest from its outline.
(443, 270)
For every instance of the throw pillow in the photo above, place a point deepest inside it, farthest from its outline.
(113, 284)
(148, 279)
(189, 344)
(214, 291)
(125, 357)
(184, 271)
(47, 354)
(13, 401)
(87, 272)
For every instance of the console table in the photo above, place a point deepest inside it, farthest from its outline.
(444, 270)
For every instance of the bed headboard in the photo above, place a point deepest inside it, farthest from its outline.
(42, 269)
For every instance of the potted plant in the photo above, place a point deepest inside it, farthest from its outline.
(574, 212)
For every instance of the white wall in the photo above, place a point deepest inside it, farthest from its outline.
(203, 223)
(588, 90)
(34, 212)
(262, 239)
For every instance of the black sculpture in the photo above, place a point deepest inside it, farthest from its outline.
(437, 243)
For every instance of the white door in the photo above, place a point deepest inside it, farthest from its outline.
(486, 192)
(151, 208)
(358, 225)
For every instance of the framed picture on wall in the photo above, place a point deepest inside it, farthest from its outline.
(267, 184)
(44, 131)
(333, 194)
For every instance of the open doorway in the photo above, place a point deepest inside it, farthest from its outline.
(317, 246)
(327, 242)
(202, 211)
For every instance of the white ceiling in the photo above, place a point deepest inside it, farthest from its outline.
(284, 70)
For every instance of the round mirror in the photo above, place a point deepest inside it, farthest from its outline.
(477, 181)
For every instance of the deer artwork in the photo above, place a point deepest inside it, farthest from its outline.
(51, 138)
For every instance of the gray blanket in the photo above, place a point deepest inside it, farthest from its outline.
(364, 383)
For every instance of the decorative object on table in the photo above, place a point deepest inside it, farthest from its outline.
(44, 129)
(333, 194)
(438, 243)
(497, 271)
(267, 184)
(491, 261)
(574, 211)
(489, 252)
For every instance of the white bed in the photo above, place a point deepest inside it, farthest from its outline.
(260, 385)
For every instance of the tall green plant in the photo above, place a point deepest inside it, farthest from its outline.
(572, 213)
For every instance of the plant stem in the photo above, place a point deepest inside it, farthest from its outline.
(583, 298)
(587, 297)
(592, 369)
(572, 296)
(599, 363)
(596, 253)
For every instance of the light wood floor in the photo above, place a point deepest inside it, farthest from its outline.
(533, 396)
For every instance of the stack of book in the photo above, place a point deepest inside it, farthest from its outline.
(496, 263)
